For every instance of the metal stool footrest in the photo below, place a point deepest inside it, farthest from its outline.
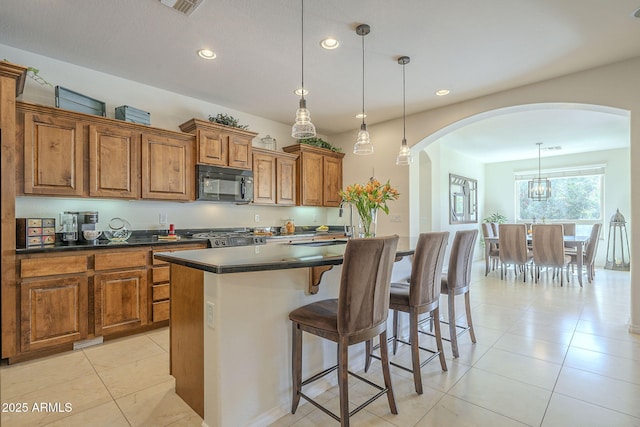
(434, 354)
(382, 391)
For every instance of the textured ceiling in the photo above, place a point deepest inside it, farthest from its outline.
(471, 47)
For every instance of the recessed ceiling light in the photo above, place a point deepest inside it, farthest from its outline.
(636, 14)
(329, 43)
(301, 92)
(442, 92)
(206, 54)
(360, 116)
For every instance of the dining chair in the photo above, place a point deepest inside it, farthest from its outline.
(456, 281)
(589, 255)
(514, 250)
(548, 250)
(493, 254)
(358, 314)
(421, 295)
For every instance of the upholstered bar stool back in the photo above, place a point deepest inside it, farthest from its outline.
(421, 295)
(358, 314)
(456, 281)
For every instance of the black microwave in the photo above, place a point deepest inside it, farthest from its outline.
(225, 185)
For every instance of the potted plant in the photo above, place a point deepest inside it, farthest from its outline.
(227, 120)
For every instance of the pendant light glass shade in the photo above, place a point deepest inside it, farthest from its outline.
(539, 189)
(363, 144)
(303, 128)
(404, 156)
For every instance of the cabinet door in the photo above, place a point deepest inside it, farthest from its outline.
(212, 147)
(53, 312)
(239, 151)
(120, 301)
(264, 179)
(53, 156)
(311, 179)
(286, 182)
(114, 162)
(332, 181)
(167, 168)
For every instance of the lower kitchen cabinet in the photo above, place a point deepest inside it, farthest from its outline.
(67, 297)
(53, 312)
(120, 301)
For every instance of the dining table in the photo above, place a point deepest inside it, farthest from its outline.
(578, 242)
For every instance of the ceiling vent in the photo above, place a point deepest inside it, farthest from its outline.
(184, 6)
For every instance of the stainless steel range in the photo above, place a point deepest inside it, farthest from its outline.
(218, 239)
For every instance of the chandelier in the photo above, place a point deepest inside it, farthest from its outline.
(539, 188)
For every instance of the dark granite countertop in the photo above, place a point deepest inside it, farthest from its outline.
(276, 256)
(150, 237)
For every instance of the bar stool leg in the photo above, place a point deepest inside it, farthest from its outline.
(415, 351)
(296, 365)
(343, 374)
(395, 331)
(384, 356)
(436, 316)
(452, 324)
(368, 348)
(467, 306)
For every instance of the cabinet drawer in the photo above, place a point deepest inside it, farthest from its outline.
(37, 267)
(160, 292)
(160, 311)
(120, 260)
(161, 274)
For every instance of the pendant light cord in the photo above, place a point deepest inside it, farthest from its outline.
(404, 106)
(302, 51)
(363, 78)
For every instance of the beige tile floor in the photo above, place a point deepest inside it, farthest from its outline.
(546, 356)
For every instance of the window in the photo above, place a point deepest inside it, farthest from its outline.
(576, 195)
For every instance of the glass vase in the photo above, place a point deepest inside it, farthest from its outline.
(367, 223)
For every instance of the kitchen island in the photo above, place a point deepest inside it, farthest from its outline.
(230, 331)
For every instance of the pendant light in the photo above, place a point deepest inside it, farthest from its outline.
(404, 156)
(539, 189)
(363, 143)
(303, 128)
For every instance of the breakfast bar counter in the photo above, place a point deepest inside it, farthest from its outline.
(230, 333)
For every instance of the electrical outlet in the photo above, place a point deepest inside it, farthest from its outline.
(395, 218)
(315, 217)
(210, 321)
(163, 218)
(256, 218)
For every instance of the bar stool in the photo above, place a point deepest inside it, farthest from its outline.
(422, 295)
(358, 314)
(456, 282)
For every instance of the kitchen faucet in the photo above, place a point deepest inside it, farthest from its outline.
(348, 232)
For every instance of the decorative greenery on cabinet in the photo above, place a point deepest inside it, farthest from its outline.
(227, 120)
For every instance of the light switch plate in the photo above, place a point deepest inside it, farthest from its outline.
(210, 315)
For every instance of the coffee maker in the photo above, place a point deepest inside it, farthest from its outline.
(86, 221)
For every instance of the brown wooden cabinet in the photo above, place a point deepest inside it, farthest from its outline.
(53, 155)
(318, 175)
(274, 176)
(114, 162)
(120, 301)
(53, 312)
(220, 145)
(168, 171)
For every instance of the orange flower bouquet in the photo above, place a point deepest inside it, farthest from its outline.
(368, 199)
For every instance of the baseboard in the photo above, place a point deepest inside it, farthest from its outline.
(634, 329)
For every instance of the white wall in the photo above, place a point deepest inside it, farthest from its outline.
(168, 110)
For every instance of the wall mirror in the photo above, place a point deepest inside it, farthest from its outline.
(463, 200)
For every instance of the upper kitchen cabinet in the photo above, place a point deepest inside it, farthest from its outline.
(221, 145)
(53, 155)
(168, 171)
(114, 162)
(274, 178)
(318, 175)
